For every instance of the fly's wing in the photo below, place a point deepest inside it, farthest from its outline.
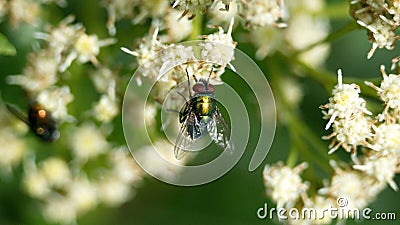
(17, 113)
(188, 134)
(219, 131)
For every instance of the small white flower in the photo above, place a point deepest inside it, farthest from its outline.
(102, 78)
(60, 209)
(345, 102)
(219, 47)
(106, 109)
(219, 15)
(357, 188)
(13, 149)
(39, 74)
(118, 9)
(87, 141)
(85, 49)
(149, 64)
(394, 9)
(61, 38)
(124, 167)
(113, 192)
(83, 194)
(26, 11)
(372, 15)
(56, 171)
(352, 132)
(307, 30)
(383, 168)
(177, 28)
(306, 26)
(267, 40)
(55, 99)
(35, 183)
(292, 90)
(154, 9)
(389, 90)
(382, 35)
(172, 56)
(264, 12)
(386, 139)
(283, 184)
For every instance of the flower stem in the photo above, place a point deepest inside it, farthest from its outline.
(329, 80)
(292, 157)
(303, 138)
(197, 26)
(337, 10)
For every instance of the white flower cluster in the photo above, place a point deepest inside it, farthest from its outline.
(65, 43)
(218, 48)
(158, 60)
(13, 152)
(306, 26)
(67, 185)
(380, 18)
(255, 13)
(24, 11)
(354, 127)
(284, 184)
(107, 108)
(67, 192)
(68, 42)
(264, 13)
(345, 112)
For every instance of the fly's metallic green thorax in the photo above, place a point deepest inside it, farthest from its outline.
(202, 103)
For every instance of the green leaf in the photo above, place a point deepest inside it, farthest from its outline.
(6, 48)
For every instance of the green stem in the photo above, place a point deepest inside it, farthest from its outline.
(292, 157)
(197, 27)
(329, 80)
(300, 133)
(337, 10)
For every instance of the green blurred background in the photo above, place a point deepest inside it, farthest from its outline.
(232, 199)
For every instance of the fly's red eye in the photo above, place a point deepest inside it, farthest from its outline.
(211, 88)
(199, 88)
